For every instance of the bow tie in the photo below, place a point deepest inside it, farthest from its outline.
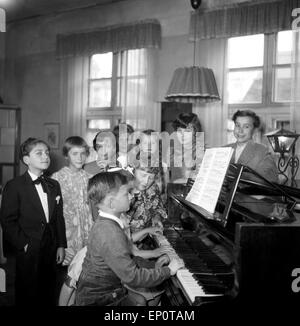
(46, 184)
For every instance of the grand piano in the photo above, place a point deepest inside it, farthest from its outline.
(246, 250)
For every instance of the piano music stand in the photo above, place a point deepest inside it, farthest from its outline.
(235, 177)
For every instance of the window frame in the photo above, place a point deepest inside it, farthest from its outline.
(114, 111)
(268, 77)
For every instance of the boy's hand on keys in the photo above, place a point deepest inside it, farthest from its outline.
(155, 230)
(162, 260)
(159, 252)
(174, 265)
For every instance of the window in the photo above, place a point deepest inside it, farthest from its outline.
(259, 76)
(245, 63)
(117, 81)
(282, 67)
(259, 65)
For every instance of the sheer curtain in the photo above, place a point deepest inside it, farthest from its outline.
(214, 115)
(138, 89)
(137, 82)
(74, 96)
(295, 102)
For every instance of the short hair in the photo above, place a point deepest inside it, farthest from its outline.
(148, 132)
(184, 120)
(156, 170)
(27, 146)
(95, 140)
(247, 113)
(74, 141)
(116, 129)
(104, 132)
(116, 132)
(104, 183)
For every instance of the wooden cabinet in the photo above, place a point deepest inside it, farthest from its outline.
(10, 123)
(170, 111)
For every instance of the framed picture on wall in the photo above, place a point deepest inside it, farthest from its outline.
(51, 135)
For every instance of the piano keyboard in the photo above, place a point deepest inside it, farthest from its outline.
(194, 278)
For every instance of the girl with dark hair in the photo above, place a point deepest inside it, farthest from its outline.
(184, 158)
(246, 151)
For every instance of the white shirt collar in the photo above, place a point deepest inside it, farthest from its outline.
(32, 175)
(112, 217)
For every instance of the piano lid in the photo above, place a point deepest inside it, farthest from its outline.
(257, 201)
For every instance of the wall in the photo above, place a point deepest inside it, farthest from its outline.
(2, 57)
(32, 74)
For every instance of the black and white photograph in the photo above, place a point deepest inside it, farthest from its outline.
(149, 157)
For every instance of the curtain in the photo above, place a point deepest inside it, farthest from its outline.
(139, 108)
(116, 38)
(137, 97)
(295, 102)
(214, 115)
(243, 19)
(74, 96)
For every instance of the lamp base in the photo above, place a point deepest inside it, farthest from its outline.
(283, 165)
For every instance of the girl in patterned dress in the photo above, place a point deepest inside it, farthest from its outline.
(73, 181)
(146, 208)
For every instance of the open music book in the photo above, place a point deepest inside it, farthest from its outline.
(207, 186)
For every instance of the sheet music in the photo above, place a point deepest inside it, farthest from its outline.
(207, 186)
(2, 280)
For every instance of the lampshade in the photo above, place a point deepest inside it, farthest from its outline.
(282, 140)
(192, 85)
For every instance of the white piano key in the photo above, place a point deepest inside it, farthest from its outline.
(184, 276)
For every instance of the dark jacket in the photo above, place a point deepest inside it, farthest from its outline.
(22, 215)
(108, 264)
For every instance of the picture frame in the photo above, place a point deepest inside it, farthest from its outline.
(51, 134)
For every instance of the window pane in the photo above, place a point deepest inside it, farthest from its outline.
(282, 85)
(120, 92)
(100, 93)
(284, 47)
(99, 124)
(245, 87)
(101, 65)
(246, 51)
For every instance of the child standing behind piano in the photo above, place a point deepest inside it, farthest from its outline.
(147, 208)
(73, 181)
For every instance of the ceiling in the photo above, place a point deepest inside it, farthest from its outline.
(23, 9)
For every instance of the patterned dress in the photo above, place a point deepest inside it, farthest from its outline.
(77, 212)
(147, 209)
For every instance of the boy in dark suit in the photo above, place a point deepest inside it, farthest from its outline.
(33, 224)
